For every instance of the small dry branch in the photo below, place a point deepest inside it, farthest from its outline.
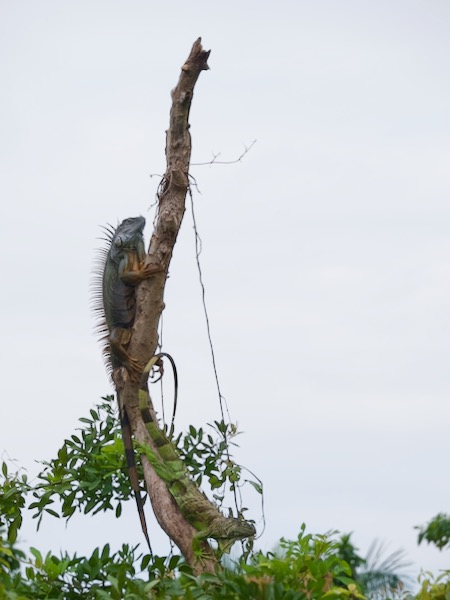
(215, 161)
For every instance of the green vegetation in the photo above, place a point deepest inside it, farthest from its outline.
(436, 532)
(309, 568)
(89, 475)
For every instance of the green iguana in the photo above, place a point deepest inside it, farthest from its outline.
(121, 270)
(195, 507)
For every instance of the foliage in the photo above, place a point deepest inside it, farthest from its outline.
(13, 490)
(434, 588)
(379, 576)
(12, 502)
(90, 471)
(209, 457)
(436, 532)
(347, 551)
(89, 474)
(102, 575)
(383, 576)
(309, 569)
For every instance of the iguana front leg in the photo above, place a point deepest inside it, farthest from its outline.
(133, 276)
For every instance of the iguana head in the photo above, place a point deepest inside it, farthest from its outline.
(128, 237)
(231, 531)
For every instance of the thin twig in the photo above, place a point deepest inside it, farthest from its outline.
(214, 161)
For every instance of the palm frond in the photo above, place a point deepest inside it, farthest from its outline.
(383, 575)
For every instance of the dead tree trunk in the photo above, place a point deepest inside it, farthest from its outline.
(143, 344)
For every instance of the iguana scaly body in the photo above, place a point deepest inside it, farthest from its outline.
(121, 269)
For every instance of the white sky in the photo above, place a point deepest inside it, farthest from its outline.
(326, 252)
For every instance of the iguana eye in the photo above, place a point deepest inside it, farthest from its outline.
(118, 242)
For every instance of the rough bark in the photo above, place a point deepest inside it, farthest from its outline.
(172, 196)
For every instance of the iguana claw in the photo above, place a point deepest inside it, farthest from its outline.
(134, 369)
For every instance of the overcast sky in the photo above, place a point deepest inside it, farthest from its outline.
(326, 251)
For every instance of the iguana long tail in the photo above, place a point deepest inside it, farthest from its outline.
(128, 443)
(132, 472)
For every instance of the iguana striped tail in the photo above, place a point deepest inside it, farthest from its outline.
(132, 472)
(128, 444)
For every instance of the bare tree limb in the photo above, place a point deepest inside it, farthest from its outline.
(144, 341)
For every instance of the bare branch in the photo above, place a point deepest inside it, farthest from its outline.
(214, 161)
(149, 302)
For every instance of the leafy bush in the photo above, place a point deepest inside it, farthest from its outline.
(380, 575)
(436, 532)
(434, 588)
(308, 568)
(90, 475)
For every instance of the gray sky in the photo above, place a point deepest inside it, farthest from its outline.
(326, 252)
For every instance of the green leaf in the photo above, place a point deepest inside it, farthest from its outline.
(12, 532)
(38, 557)
(105, 551)
(257, 486)
(173, 562)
